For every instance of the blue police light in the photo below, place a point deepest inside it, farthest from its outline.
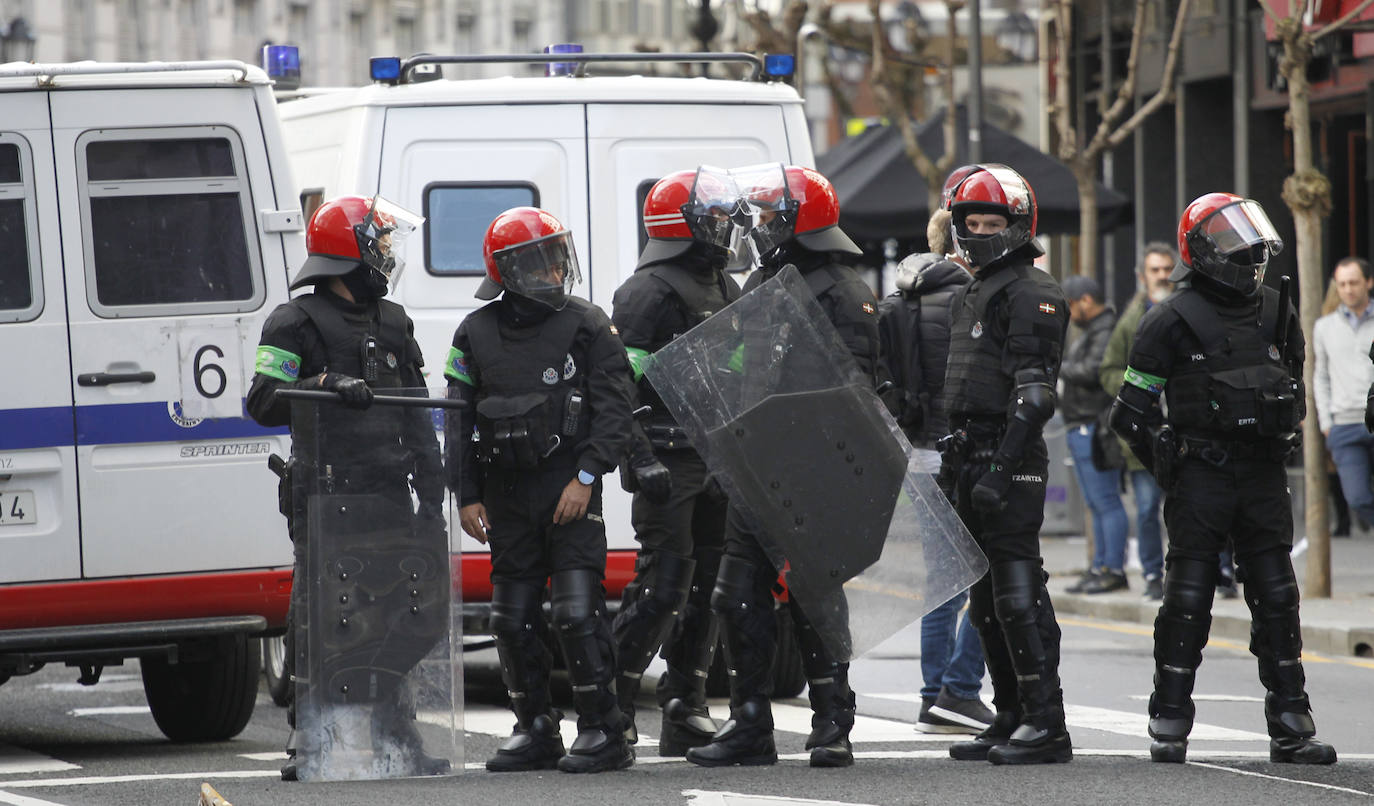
(561, 68)
(385, 69)
(282, 63)
(779, 65)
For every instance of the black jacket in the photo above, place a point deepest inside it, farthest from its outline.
(1084, 398)
(914, 331)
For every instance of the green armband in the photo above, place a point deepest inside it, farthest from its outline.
(275, 362)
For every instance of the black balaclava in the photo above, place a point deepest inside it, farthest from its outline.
(365, 283)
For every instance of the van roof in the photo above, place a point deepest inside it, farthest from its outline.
(22, 76)
(541, 90)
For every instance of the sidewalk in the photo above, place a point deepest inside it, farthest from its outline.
(1341, 625)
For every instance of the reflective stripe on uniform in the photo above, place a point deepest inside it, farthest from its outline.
(275, 362)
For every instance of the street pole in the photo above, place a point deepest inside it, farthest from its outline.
(975, 82)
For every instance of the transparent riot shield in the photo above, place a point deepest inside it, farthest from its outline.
(794, 432)
(376, 608)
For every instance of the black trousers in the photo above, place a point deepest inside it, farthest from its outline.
(691, 519)
(525, 543)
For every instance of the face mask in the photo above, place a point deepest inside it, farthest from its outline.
(365, 283)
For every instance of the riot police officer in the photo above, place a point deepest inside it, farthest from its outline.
(547, 383)
(1227, 353)
(678, 512)
(345, 338)
(1006, 338)
(797, 224)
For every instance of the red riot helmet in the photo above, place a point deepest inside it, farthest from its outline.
(686, 207)
(995, 190)
(528, 252)
(1228, 240)
(353, 231)
(792, 203)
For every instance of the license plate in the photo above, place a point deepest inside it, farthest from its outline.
(16, 506)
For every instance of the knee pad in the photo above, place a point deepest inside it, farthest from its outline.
(1185, 614)
(1271, 588)
(739, 582)
(582, 632)
(670, 580)
(515, 607)
(1018, 592)
(577, 598)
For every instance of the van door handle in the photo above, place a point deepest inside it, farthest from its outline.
(107, 378)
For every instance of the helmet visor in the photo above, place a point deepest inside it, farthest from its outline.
(770, 204)
(382, 232)
(714, 212)
(544, 270)
(1238, 227)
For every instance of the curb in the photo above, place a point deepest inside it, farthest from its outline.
(1230, 619)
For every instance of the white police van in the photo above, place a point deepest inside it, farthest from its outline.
(148, 221)
(586, 148)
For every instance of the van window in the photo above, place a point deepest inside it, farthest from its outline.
(457, 217)
(168, 218)
(20, 291)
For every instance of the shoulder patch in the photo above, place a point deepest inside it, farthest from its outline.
(869, 308)
(615, 331)
(1048, 308)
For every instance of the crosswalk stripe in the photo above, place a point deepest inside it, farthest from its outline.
(109, 710)
(17, 760)
(705, 797)
(24, 800)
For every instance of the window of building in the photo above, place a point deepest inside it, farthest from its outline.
(457, 217)
(168, 220)
(21, 291)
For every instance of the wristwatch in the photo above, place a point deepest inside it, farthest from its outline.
(586, 478)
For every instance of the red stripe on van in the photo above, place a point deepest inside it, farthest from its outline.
(110, 601)
(620, 569)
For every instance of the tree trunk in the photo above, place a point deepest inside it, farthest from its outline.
(1086, 178)
(1307, 222)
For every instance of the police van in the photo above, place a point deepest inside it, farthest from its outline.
(148, 222)
(586, 148)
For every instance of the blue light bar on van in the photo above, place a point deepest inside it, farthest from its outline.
(385, 69)
(282, 63)
(561, 68)
(779, 65)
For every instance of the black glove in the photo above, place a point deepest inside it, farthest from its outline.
(654, 480)
(990, 493)
(953, 450)
(1369, 411)
(354, 392)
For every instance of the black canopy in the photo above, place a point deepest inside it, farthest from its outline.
(882, 195)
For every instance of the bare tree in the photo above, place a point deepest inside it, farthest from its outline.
(1084, 159)
(1308, 196)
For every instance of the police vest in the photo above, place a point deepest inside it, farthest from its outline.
(975, 383)
(372, 349)
(531, 396)
(1238, 388)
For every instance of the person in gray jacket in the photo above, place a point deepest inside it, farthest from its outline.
(1082, 405)
(1341, 377)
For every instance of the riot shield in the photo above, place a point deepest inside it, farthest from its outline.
(794, 432)
(376, 616)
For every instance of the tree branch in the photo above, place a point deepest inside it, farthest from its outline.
(1127, 92)
(1268, 10)
(901, 118)
(1068, 138)
(1166, 84)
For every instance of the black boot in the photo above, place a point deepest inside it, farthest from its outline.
(536, 744)
(832, 719)
(689, 650)
(648, 610)
(1027, 618)
(996, 735)
(585, 638)
(1181, 629)
(519, 629)
(1271, 592)
(745, 739)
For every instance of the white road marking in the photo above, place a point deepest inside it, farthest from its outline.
(1209, 698)
(797, 719)
(276, 755)
(108, 683)
(703, 797)
(109, 710)
(24, 800)
(94, 780)
(17, 760)
(1330, 787)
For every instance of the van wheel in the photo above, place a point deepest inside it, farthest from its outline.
(789, 679)
(276, 669)
(207, 696)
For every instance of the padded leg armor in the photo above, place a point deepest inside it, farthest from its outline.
(1032, 635)
(1271, 591)
(1005, 700)
(396, 739)
(518, 626)
(689, 650)
(1181, 628)
(743, 602)
(832, 701)
(648, 609)
(578, 607)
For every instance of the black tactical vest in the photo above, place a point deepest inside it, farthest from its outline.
(975, 383)
(1238, 388)
(532, 403)
(370, 346)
